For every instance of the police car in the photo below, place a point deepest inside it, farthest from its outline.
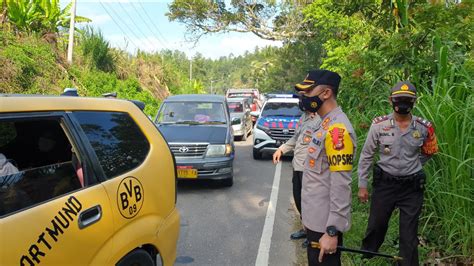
(84, 181)
(276, 124)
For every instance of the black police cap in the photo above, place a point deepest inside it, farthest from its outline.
(319, 77)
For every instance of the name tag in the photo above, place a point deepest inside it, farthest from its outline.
(317, 142)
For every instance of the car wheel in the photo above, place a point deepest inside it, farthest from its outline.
(137, 257)
(257, 155)
(228, 182)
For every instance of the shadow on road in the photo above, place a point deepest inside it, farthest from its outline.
(188, 185)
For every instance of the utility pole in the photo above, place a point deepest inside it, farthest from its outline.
(71, 33)
(191, 69)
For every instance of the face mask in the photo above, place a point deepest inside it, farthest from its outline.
(402, 107)
(300, 104)
(312, 104)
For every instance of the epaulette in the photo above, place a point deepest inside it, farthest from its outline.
(424, 122)
(380, 119)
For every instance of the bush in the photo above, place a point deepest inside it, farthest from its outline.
(96, 50)
(29, 65)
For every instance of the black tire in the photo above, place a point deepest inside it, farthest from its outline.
(227, 182)
(138, 257)
(257, 155)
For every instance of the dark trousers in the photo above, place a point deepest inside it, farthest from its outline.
(388, 195)
(313, 253)
(297, 186)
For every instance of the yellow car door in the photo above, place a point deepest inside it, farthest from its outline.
(67, 230)
(51, 210)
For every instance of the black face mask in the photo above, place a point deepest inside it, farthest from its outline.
(300, 104)
(312, 104)
(402, 107)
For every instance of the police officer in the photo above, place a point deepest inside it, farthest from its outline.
(326, 193)
(299, 144)
(404, 142)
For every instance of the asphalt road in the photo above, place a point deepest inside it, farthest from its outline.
(223, 226)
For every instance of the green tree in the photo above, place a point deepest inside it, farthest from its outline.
(40, 16)
(268, 19)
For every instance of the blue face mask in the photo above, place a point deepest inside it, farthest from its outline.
(312, 104)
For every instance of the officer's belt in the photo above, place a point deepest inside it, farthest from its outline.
(388, 176)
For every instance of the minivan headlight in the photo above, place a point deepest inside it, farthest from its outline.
(219, 150)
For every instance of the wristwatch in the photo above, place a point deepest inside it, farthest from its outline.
(332, 231)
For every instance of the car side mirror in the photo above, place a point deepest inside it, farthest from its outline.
(255, 113)
(236, 121)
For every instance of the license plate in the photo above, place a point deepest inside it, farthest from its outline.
(187, 173)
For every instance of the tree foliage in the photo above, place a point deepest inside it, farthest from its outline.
(268, 19)
(40, 16)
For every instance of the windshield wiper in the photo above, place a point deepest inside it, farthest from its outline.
(187, 122)
(214, 122)
(166, 122)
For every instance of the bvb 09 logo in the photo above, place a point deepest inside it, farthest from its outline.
(130, 196)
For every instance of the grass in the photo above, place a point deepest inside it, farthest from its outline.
(32, 66)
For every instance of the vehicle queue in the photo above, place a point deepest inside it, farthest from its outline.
(91, 162)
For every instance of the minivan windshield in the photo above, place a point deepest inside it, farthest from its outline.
(193, 113)
(281, 109)
(235, 107)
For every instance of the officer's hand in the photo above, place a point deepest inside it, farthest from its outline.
(363, 195)
(328, 244)
(276, 156)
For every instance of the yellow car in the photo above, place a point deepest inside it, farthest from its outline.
(84, 181)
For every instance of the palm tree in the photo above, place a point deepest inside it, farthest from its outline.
(39, 16)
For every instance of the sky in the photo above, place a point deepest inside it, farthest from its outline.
(142, 24)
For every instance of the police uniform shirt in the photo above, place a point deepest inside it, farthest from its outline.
(401, 153)
(326, 193)
(300, 140)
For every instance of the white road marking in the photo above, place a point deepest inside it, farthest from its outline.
(266, 240)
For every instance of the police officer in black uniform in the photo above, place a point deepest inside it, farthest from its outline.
(404, 142)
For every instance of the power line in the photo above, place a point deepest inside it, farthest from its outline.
(118, 25)
(149, 28)
(126, 25)
(136, 25)
(146, 13)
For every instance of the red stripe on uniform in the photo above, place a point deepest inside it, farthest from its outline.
(290, 125)
(274, 124)
(280, 124)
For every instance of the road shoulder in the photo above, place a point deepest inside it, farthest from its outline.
(283, 250)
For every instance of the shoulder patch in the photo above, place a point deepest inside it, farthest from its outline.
(339, 148)
(424, 122)
(380, 119)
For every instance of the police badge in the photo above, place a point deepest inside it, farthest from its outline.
(416, 134)
(337, 135)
